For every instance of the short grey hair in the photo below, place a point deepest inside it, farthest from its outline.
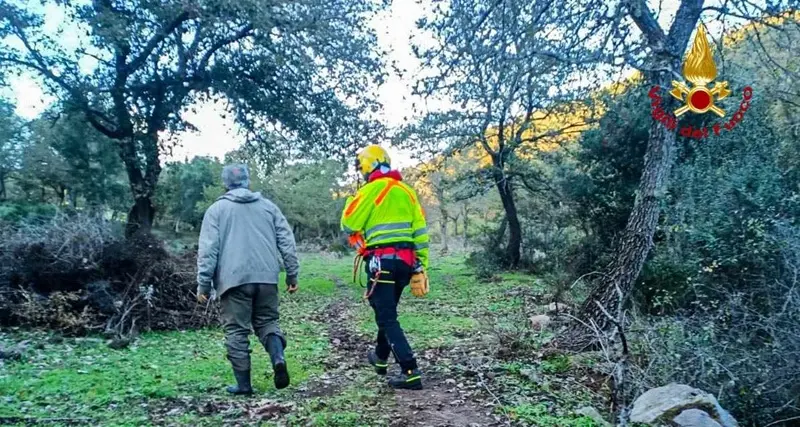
(235, 176)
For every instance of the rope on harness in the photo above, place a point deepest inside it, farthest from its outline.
(375, 272)
(357, 267)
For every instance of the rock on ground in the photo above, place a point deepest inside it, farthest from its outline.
(694, 418)
(539, 322)
(664, 402)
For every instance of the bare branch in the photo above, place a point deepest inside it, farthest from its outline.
(643, 19)
(244, 32)
(154, 41)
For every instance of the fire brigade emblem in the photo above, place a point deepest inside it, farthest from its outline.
(700, 70)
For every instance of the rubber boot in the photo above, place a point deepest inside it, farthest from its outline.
(381, 365)
(243, 386)
(275, 349)
(408, 380)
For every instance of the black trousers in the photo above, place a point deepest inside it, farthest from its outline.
(393, 278)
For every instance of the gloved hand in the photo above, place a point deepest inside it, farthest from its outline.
(291, 284)
(419, 284)
(202, 295)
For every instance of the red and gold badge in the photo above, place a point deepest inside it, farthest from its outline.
(699, 69)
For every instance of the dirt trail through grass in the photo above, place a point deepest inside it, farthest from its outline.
(441, 403)
(478, 370)
(347, 346)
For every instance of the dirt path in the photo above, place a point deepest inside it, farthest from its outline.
(453, 393)
(446, 399)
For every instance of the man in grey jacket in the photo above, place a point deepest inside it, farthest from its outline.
(242, 241)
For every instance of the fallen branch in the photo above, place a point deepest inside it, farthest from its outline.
(782, 421)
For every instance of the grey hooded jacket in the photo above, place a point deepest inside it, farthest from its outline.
(242, 240)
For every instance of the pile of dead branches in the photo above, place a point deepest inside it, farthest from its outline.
(76, 273)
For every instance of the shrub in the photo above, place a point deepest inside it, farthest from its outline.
(743, 345)
(16, 212)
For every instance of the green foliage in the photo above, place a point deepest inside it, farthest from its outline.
(10, 144)
(11, 212)
(71, 160)
(539, 415)
(609, 163)
(310, 196)
(294, 75)
(182, 192)
(732, 195)
(557, 364)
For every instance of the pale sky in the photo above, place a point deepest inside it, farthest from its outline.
(217, 135)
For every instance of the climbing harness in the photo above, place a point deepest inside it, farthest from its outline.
(373, 257)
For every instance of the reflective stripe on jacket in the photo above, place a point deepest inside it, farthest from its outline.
(386, 210)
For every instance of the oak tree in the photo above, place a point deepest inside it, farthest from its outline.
(292, 74)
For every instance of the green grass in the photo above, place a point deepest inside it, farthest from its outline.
(82, 377)
(540, 415)
(85, 378)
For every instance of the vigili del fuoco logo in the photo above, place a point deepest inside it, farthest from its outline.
(698, 96)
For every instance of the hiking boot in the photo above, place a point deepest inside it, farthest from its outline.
(275, 349)
(408, 380)
(242, 386)
(381, 365)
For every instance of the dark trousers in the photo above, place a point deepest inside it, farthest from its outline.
(394, 277)
(253, 306)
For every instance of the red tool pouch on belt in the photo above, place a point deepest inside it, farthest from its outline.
(407, 255)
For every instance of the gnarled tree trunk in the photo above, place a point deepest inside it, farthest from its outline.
(635, 242)
(514, 228)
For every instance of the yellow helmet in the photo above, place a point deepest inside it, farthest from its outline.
(371, 158)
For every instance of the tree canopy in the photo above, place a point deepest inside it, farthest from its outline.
(294, 74)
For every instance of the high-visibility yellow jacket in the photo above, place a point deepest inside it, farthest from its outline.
(386, 210)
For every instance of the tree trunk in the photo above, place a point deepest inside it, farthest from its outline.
(2, 186)
(514, 228)
(443, 231)
(142, 182)
(61, 193)
(635, 241)
(501, 231)
(140, 217)
(466, 227)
